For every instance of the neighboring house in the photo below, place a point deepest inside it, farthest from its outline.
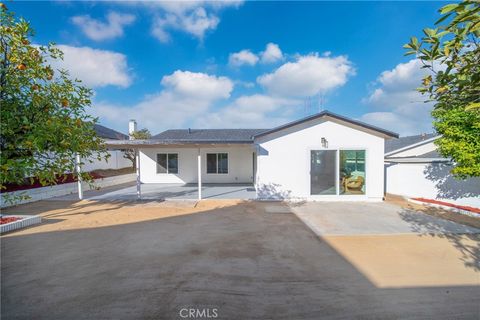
(321, 157)
(116, 159)
(414, 168)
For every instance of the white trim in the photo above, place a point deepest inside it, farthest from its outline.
(137, 172)
(410, 146)
(415, 160)
(199, 169)
(79, 178)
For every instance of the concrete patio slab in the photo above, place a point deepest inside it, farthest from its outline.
(370, 218)
(162, 191)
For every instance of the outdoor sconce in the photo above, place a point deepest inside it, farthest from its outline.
(324, 142)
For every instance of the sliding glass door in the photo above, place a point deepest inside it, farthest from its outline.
(337, 172)
(352, 172)
(323, 172)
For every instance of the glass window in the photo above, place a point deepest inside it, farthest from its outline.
(167, 163)
(323, 172)
(217, 163)
(222, 163)
(352, 172)
(211, 163)
(172, 163)
(162, 163)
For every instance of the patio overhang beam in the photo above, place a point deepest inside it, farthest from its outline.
(142, 144)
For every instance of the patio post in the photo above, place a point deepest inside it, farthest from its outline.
(199, 169)
(137, 171)
(79, 178)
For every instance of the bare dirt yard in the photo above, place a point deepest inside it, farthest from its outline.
(245, 260)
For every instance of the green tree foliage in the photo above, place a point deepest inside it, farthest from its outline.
(451, 52)
(137, 135)
(42, 111)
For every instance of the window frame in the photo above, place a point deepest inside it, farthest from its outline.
(365, 150)
(216, 162)
(168, 162)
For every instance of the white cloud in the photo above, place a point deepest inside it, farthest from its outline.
(398, 105)
(244, 57)
(271, 54)
(253, 111)
(201, 86)
(97, 30)
(96, 68)
(308, 75)
(193, 17)
(185, 96)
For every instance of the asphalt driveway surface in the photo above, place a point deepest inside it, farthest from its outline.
(247, 261)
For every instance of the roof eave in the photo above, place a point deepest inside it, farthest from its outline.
(384, 133)
(127, 144)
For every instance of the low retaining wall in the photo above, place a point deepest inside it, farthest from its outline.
(458, 210)
(42, 193)
(25, 222)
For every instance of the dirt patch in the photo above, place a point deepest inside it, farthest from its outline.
(113, 172)
(71, 215)
(410, 260)
(433, 211)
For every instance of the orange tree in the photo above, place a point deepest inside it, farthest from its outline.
(451, 52)
(43, 122)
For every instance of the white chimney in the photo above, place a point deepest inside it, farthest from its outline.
(132, 127)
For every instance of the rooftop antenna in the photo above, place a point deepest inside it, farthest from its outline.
(321, 102)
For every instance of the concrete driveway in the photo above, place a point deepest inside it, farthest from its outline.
(372, 218)
(247, 260)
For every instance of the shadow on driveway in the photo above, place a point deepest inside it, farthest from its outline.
(247, 263)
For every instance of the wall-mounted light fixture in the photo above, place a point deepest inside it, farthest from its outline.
(324, 142)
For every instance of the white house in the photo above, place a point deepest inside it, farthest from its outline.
(414, 168)
(321, 157)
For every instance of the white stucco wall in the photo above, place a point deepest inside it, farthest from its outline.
(431, 181)
(284, 159)
(240, 165)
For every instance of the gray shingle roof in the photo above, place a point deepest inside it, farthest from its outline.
(107, 133)
(395, 144)
(326, 113)
(430, 155)
(213, 135)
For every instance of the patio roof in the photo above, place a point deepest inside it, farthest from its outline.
(151, 143)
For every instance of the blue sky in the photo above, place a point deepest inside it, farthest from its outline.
(240, 64)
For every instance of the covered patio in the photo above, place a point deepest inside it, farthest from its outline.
(188, 164)
(165, 191)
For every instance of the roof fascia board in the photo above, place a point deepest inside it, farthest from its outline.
(358, 125)
(415, 160)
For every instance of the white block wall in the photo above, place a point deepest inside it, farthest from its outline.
(240, 165)
(64, 189)
(284, 159)
(115, 161)
(431, 181)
